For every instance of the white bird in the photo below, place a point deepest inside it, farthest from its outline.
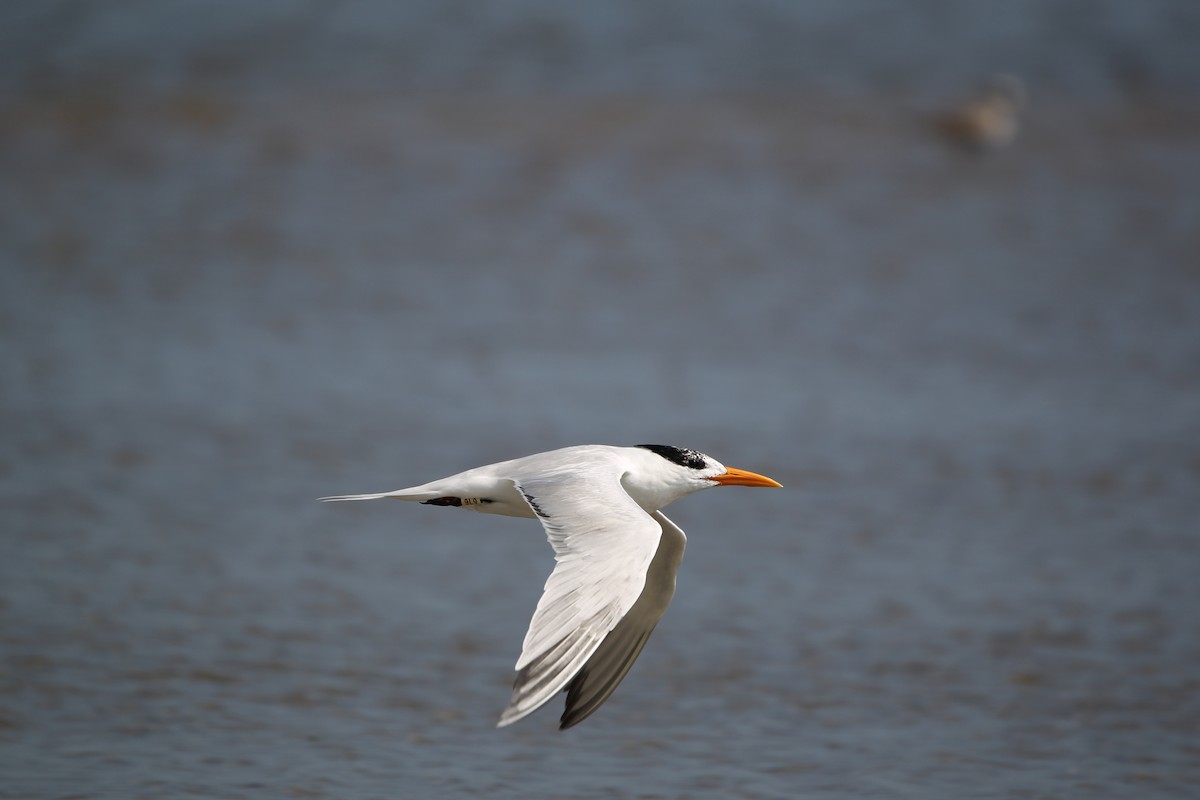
(616, 556)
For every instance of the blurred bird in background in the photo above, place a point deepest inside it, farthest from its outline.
(989, 120)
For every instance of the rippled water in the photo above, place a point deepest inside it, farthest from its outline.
(979, 379)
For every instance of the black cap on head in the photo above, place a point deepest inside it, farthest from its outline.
(678, 455)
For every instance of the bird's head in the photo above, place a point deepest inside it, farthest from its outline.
(691, 470)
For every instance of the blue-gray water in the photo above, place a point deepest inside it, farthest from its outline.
(239, 271)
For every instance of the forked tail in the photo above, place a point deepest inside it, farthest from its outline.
(399, 494)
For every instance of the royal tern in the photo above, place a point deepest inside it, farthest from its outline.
(616, 556)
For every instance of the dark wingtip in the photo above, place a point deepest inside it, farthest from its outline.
(572, 713)
(571, 718)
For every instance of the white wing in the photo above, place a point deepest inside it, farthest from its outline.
(604, 544)
(608, 666)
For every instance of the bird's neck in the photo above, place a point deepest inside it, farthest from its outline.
(652, 495)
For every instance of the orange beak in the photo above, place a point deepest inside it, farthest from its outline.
(741, 477)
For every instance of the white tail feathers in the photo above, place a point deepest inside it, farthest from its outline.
(399, 494)
(340, 497)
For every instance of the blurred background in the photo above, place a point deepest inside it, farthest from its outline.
(256, 253)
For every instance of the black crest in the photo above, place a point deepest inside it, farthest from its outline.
(678, 455)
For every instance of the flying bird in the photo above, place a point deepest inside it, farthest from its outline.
(616, 556)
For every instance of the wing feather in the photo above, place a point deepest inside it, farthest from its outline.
(611, 662)
(603, 545)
